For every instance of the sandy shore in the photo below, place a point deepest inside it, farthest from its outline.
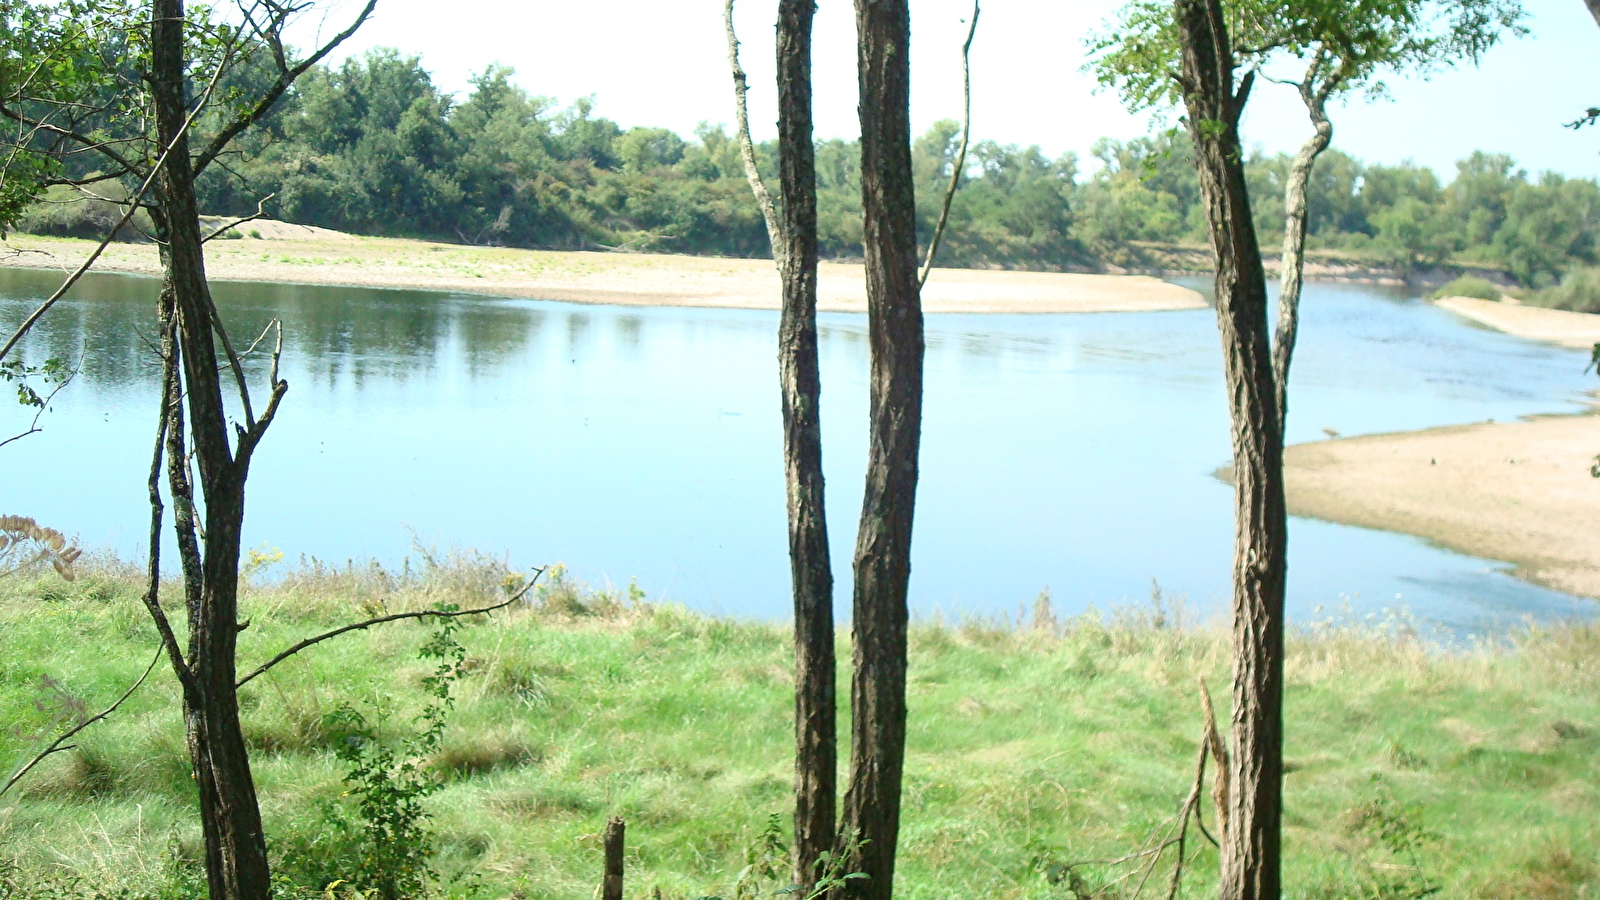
(1556, 326)
(1514, 491)
(294, 254)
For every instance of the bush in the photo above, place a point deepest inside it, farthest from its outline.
(1469, 286)
(1579, 291)
(62, 213)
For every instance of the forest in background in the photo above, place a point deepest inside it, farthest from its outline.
(373, 146)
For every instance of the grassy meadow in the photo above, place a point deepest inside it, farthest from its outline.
(1033, 745)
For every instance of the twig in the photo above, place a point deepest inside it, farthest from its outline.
(229, 226)
(1192, 804)
(393, 617)
(1220, 786)
(961, 155)
(56, 745)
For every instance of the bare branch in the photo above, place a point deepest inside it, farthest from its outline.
(393, 617)
(286, 77)
(747, 150)
(229, 226)
(56, 745)
(961, 155)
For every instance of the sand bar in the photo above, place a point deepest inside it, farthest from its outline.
(1555, 326)
(294, 254)
(1514, 491)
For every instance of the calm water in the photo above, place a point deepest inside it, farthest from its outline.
(1072, 453)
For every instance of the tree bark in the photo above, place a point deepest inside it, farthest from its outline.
(1291, 272)
(883, 545)
(236, 855)
(1250, 843)
(811, 569)
(611, 841)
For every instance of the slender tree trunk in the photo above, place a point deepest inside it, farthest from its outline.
(816, 754)
(1250, 842)
(1291, 272)
(235, 846)
(871, 821)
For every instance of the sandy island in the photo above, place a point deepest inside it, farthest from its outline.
(302, 255)
(1514, 491)
(1555, 326)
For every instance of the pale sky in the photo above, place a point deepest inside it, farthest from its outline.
(663, 63)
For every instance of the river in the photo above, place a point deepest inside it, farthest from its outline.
(1069, 453)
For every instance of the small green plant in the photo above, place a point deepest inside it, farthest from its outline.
(384, 850)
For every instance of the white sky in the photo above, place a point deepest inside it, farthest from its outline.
(663, 63)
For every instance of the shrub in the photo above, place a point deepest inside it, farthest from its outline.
(1579, 291)
(1469, 286)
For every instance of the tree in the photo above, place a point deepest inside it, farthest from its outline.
(1214, 99)
(793, 236)
(1345, 47)
(870, 824)
(156, 115)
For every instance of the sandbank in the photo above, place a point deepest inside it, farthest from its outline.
(1514, 491)
(1555, 326)
(296, 254)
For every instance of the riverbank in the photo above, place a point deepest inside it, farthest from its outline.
(1555, 326)
(1514, 491)
(296, 254)
(1410, 772)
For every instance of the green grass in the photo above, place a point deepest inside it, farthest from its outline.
(1030, 746)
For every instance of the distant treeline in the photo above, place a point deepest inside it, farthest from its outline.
(374, 147)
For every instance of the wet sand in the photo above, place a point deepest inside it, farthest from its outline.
(1555, 326)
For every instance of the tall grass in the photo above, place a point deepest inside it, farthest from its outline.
(1033, 745)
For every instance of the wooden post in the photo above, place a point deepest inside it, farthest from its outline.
(611, 888)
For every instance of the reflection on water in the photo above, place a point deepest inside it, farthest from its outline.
(1068, 452)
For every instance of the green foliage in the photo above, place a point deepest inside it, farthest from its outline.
(1578, 291)
(384, 849)
(19, 374)
(1470, 286)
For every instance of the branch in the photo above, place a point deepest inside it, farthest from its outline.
(286, 77)
(152, 593)
(133, 206)
(56, 745)
(33, 427)
(229, 226)
(961, 155)
(747, 150)
(394, 617)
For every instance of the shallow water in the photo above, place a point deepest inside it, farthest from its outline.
(1072, 452)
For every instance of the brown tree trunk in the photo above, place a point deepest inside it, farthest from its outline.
(1291, 272)
(1250, 842)
(816, 754)
(236, 857)
(871, 822)
(611, 841)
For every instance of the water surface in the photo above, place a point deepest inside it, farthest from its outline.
(1072, 453)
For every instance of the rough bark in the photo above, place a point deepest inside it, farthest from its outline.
(811, 569)
(871, 821)
(1250, 843)
(1291, 272)
(236, 857)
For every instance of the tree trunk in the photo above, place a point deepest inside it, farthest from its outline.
(1594, 10)
(236, 857)
(816, 754)
(883, 545)
(1291, 272)
(1250, 842)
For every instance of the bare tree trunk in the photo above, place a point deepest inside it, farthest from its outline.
(1291, 273)
(1594, 10)
(811, 569)
(871, 820)
(793, 235)
(611, 841)
(236, 855)
(1250, 843)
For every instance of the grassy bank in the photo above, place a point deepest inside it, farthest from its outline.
(1032, 746)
